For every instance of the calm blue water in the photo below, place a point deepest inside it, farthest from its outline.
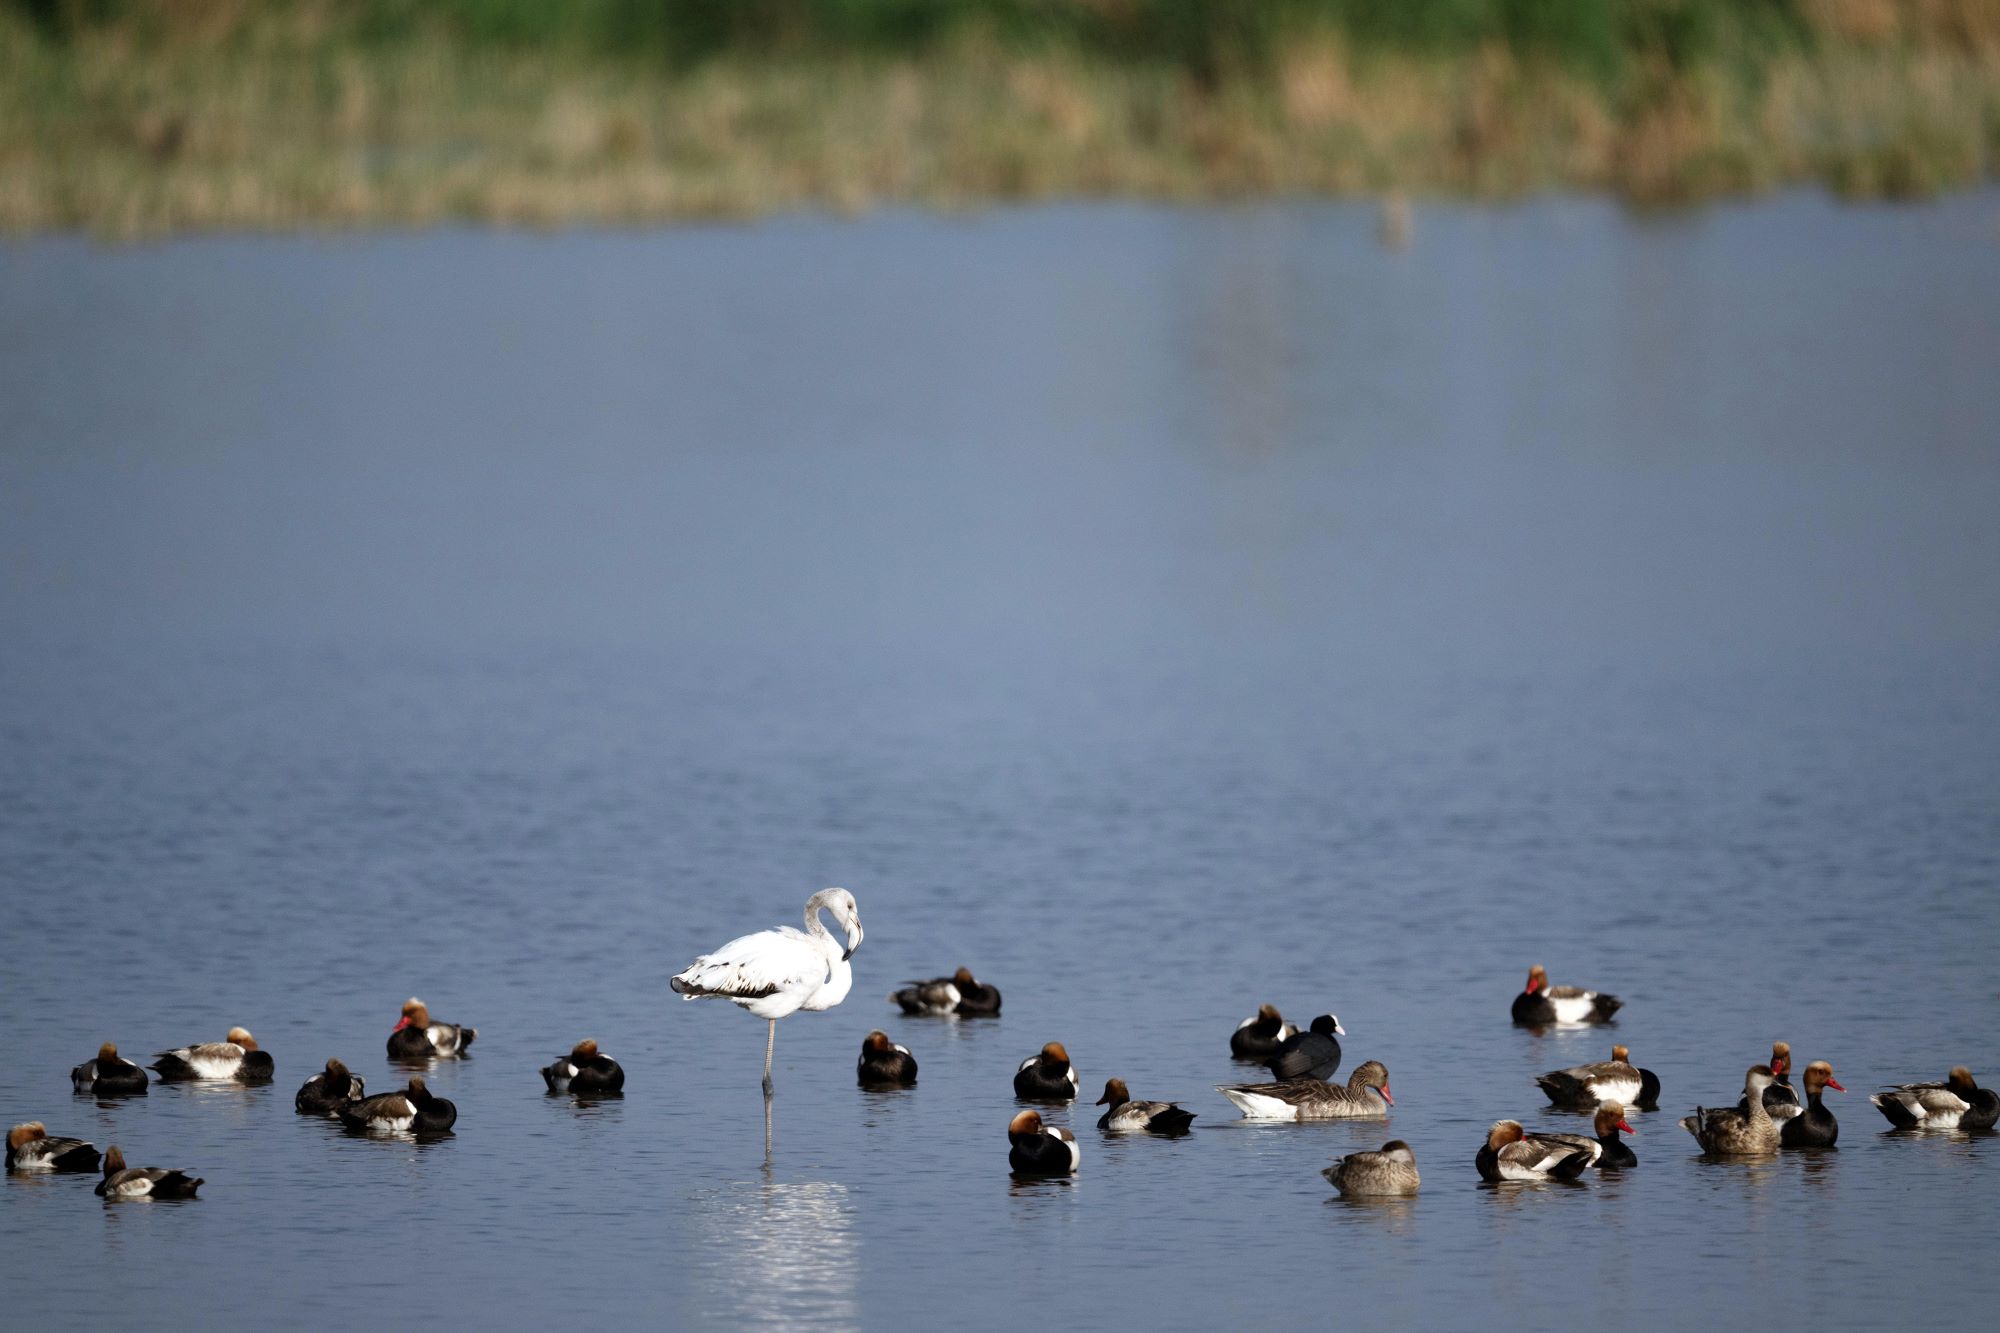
(1158, 611)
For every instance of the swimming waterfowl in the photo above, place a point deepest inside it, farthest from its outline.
(109, 1075)
(416, 1037)
(143, 1182)
(414, 1109)
(236, 1058)
(958, 993)
(1511, 1153)
(1366, 1097)
(1744, 1130)
(329, 1090)
(1581, 1087)
(1037, 1151)
(30, 1148)
(1258, 1036)
(584, 1071)
(1781, 1100)
(1046, 1077)
(1127, 1116)
(1390, 1171)
(1956, 1103)
(884, 1064)
(1607, 1124)
(1815, 1126)
(1310, 1054)
(1541, 1004)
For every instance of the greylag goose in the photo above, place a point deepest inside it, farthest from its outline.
(143, 1182)
(1127, 1116)
(236, 1058)
(1542, 1004)
(1366, 1097)
(884, 1064)
(1744, 1130)
(1037, 1151)
(1390, 1171)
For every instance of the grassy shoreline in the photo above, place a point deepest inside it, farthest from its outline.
(285, 121)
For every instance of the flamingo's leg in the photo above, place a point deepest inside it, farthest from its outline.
(770, 1045)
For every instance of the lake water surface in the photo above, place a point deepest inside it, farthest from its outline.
(1158, 611)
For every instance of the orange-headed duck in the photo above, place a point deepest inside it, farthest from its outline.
(1541, 1004)
(1038, 1151)
(235, 1058)
(143, 1182)
(1047, 1076)
(1127, 1116)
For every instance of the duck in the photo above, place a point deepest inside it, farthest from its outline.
(1781, 1100)
(109, 1075)
(1259, 1036)
(1541, 1004)
(414, 1109)
(143, 1182)
(236, 1057)
(1127, 1116)
(1745, 1130)
(416, 1037)
(1607, 1124)
(1511, 1153)
(1815, 1126)
(1393, 1170)
(884, 1064)
(1366, 1097)
(958, 993)
(1310, 1054)
(31, 1148)
(1956, 1103)
(326, 1092)
(1040, 1151)
(1582, 1087)
(584, 1071)
(1047, 1077)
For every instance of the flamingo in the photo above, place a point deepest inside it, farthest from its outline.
(778, 972)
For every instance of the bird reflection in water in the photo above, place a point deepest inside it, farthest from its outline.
(779, 1252)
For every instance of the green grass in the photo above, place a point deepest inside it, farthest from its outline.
(140, 116)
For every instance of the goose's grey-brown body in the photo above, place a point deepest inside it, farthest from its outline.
(1744, 1130)
(1391, 1171)
(1365, 1097)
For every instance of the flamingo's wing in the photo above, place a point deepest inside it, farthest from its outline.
(752, 966)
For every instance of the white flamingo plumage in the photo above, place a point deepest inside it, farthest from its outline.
(775, 973)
